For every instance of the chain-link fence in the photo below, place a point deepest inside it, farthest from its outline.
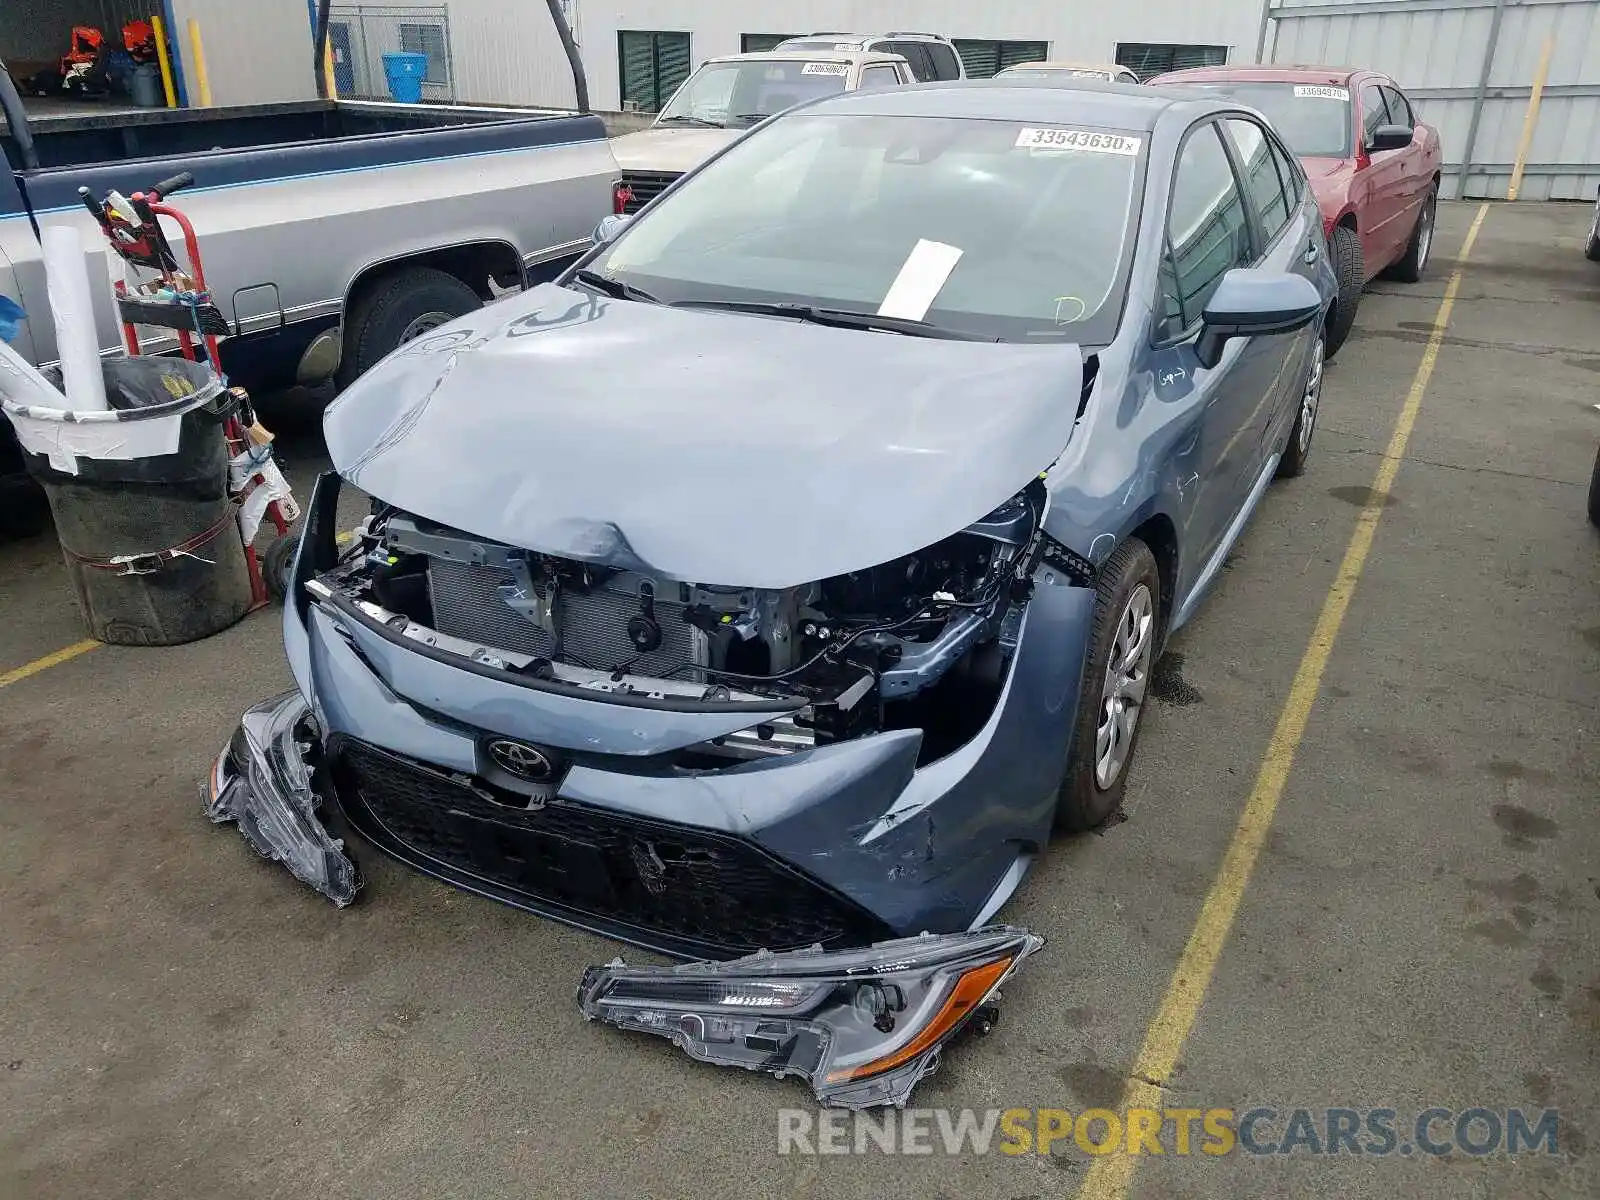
(359, 35)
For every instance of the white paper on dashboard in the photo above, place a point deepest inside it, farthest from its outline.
(920, 280)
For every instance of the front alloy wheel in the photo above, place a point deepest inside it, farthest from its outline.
(1122, 697)
(1116, 679)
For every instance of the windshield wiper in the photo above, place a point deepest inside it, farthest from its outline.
(841, 318)
(612, 287)
(688, 120)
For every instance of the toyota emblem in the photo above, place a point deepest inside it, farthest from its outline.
(522, 760)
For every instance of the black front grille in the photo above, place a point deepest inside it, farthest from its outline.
(683, 890)
(645, 186)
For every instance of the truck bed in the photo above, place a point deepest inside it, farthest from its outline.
(98, 136)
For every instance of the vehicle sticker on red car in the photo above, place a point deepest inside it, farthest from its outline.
(1318, 92)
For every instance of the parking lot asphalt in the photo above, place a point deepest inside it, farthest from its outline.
(1421, 928)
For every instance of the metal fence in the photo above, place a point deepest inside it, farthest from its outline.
(359, 35)
(1469, 65)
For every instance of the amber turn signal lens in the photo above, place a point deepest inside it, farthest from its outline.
(968, 993)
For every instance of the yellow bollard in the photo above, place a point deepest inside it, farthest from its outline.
(200, 78)
(1531, 118)
(160, 29)
(330, 80)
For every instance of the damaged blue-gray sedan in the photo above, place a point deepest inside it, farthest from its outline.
(784, 574)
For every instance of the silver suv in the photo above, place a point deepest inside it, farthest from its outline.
(931, 56)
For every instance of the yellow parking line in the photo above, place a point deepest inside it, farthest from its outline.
(1110, 1177)
(53, 659)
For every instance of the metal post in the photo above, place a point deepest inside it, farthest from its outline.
(1490, 46)
(1261, 31)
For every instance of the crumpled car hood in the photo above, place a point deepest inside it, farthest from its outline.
(708, 447)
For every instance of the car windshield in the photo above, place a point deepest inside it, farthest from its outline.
(737, 94)
(1314, 119)
(988, 228)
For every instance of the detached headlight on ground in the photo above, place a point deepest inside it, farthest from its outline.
(863, 1026)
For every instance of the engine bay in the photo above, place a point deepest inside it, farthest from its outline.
(922, 641)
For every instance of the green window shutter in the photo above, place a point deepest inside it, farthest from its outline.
(636, 57)
(1012, 53)
(672, 65)
(980, 59)
(760, 43)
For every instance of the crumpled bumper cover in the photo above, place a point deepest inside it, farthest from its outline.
(262, 782)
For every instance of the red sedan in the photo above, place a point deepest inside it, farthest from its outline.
(1373, 166)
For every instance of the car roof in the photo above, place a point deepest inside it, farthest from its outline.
(1059, 64)
(844, 56)
(1091, 102)
(863, 37)
(1265, 73)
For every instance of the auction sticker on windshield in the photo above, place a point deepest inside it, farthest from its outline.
(1314, 92)
(824, 69)
(1077, 139)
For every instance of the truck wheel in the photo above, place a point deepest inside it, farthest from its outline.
(1111, 699)
(1345, 247)
(396, 309)
(1410, 268)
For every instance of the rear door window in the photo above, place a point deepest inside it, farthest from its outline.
(915, 53)
(1288, 171)
(1399, 107)
(883, 76)
(945, 63)
(1262, 184)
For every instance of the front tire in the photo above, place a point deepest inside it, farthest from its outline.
(1350, 267)
(1592, 249)
(1111, 700)
(1410, 268)
(1298, 449)
(396, 309)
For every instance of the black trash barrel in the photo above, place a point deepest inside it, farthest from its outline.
(152, 544)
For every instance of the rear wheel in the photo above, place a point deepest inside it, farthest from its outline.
(1410, 268)
(397, 309)
(1298, 450)
(1592, 250)
(1350, 268)
(1116, 677)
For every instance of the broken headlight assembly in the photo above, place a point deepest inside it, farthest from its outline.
(862, 1026)
(262, 782)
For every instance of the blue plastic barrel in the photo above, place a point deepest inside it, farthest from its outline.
(404, 72)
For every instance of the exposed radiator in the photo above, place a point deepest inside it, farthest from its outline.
(594, 625)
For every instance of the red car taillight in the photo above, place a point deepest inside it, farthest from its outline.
(621, 197)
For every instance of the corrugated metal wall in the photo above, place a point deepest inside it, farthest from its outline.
(35, 30)
(1438, 50)
(256, 51)
(506, 52)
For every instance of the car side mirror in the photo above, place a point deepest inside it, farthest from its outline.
(1389, 137)
(1250, 302)
(609, 227)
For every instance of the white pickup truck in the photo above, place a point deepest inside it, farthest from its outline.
(727, 96)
